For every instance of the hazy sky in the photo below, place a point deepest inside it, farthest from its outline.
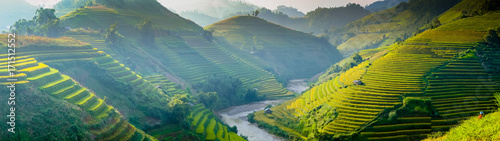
(303, 5)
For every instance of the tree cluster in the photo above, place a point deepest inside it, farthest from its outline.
(112, 35)
(147, 32)
(44, 23)
(220, 91)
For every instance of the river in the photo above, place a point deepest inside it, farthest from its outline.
(237, 115)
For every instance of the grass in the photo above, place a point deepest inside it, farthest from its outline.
(474, 129)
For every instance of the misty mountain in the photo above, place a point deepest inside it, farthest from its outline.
(290, 11)
(383, 5)
(12, 11)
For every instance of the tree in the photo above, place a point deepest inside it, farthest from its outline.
(44, 23)
(208, 34)
(435, 23)
(357, 58)
(178, 109)
(43, 16)
(147, 32)
(256, 13)
(51, 29)
(251, 95)
(492, 37)
(112, 35)
(210, 99)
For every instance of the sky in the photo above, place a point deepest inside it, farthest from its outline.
(303, 5)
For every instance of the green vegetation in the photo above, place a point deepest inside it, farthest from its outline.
(112, 36)
(206, 124)
(472, 129)
(219, 92)
(179, 50)
(147, 32)
(425, 84)
(274, 45)
(44, 23)
(469, 8)
(386, 27)
(97, 113)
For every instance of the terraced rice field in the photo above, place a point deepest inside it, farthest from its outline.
(99, 44)
(251, 75)
(204, 121)
(425, 65)
(194, 58)
(50, 81)
(162, 82)
(125, 75)
(406, 128)
(57, 53)
(460, 89)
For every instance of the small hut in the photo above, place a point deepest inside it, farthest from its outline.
(268, 111)
(357, 82)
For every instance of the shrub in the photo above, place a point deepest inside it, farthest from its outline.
(415, 104)
(492, 37)
(251, 117)
(392, 115)
(497, 96)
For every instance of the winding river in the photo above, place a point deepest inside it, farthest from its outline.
(237, 115)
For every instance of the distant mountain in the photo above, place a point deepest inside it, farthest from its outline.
(316, 22)
(292, 54)
(12, 11)
(383, 5)
(66, 6)
(199, 18)
(290, 11)
(213, 8)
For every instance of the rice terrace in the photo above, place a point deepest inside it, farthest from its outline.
(236, 70)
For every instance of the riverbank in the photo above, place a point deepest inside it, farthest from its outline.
(237, 115)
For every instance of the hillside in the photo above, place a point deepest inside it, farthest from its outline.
(128, 14)
(386, 27)
(383, 5)
(472, 129)
(425, 84)
(290, 53)
(74, 111)
(177, 47)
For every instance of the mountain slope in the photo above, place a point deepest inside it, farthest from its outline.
(386, 27)
(96, 119)
(383, 5)
(292, 54)
(423, 85)
(128, 15)
(177, 47)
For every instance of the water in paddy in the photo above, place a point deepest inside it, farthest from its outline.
(237, 115)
